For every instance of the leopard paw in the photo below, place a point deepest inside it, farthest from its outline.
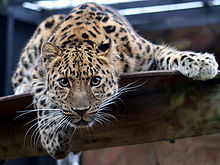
(189, 66)
(57, 142)
(208, 67)
(198, 66)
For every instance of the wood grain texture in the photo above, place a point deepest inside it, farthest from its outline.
(165, 106)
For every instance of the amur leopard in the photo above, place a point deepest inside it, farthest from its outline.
(72, 65)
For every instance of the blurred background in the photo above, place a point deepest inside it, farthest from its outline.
(184, 24)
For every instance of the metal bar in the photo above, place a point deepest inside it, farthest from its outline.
(147, 21)
(175, 19)
(146, 3)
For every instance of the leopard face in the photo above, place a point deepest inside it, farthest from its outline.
(80, 80)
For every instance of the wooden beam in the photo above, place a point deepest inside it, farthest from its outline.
(166, 107)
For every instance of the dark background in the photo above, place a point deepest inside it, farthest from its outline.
(193, 29)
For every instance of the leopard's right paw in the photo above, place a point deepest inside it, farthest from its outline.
(189, 66)
(198, 66)
(208, 67)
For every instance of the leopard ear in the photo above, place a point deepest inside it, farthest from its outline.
(104, 48)
(49, 52)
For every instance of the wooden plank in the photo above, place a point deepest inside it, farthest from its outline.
(167, 106)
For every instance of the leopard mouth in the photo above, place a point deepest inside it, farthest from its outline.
(82, 123)
(78, 121)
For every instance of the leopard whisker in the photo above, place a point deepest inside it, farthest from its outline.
(67, 122)
(90, 127)
(34, 110)
(25, 112)
(25, 137)
(106, 104)
(63, 125)
(107, 115)
(97, 120)
(120, 100)
(34, 130)
(100, 118)
(56, 129)
(105, 120)
(47, 117)
(37, 130)
(34, 102)
(129, 88)
(105, 109)
(124, 89)
(74, 130)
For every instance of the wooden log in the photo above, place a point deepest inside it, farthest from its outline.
(164, 106)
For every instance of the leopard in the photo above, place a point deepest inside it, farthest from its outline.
(72, 64)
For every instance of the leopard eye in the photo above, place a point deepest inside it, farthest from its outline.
(64, 82)
(95, 81)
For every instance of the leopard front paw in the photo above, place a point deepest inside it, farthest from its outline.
(59, 153)
(198, 66)
(57, 150)
(57, 143)
(208, 67)
(189, 66)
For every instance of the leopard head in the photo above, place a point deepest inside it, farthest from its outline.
(81, 80)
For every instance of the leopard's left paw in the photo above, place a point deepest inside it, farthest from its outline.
(208, 67)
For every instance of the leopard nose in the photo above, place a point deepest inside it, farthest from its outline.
(81, 112)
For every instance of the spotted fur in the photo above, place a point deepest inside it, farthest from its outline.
(72, 65)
